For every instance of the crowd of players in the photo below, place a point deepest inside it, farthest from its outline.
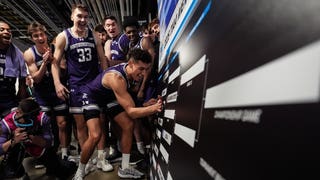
(102, 81)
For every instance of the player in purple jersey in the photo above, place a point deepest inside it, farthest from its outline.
(131, 28)
(112, 88)
(84, 56)
(38, 59)
(115, 48)
(12, 66)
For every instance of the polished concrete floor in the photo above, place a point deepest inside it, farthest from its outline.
(39, 174)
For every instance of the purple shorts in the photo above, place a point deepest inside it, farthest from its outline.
(75, 100)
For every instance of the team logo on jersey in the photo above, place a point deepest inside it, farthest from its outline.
(84, 95)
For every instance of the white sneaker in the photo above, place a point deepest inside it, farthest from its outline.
(129, 173)
(89, 167)
(94, 161)
(78, 176)
(104, 165)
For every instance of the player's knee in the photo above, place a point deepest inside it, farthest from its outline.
(128, 126)
(96, 135)
(62, 125)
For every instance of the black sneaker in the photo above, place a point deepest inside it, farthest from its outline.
(65, 158)
(66, 169)
(38, 165)
(114, 155)
(136, 158)
(72, 147)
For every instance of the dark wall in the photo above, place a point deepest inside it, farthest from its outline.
(241, 84)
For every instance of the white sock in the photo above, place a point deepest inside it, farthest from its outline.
(140, 147)
(100, 154)
(64, 152)
(81, 168)
(125, 161)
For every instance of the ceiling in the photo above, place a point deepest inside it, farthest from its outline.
(55, 14)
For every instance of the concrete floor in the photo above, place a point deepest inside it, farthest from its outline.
(39, 174)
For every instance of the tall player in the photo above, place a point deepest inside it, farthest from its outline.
(82, 52)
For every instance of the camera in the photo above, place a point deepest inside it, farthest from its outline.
(30, 130)
(28, 125)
